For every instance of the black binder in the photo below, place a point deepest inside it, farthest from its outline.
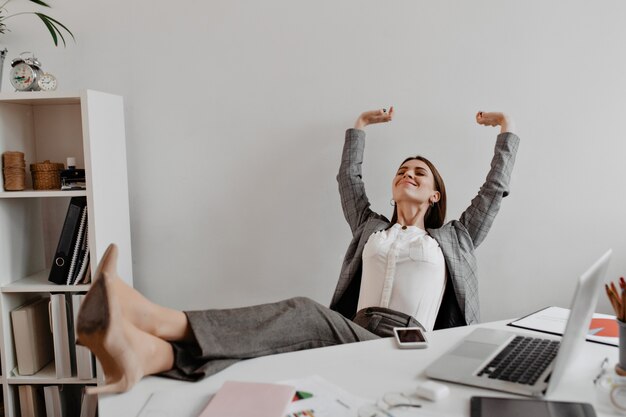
(67, 241)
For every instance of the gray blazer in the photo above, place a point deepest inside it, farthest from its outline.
(457, 238)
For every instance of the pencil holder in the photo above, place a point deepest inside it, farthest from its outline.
(621, 366)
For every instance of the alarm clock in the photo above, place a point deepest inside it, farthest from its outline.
(47, 82)
(24, 74)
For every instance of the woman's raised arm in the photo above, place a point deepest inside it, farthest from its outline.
(479, 216)
(503, 120)
(354, 201)
(374, 116)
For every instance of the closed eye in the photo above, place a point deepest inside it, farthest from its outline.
(418, 171)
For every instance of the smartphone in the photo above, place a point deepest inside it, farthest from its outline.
(410, 337)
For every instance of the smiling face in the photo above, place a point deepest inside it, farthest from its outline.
(414, 183)
(418, 182)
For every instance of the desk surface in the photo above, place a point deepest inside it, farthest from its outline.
(369, 369)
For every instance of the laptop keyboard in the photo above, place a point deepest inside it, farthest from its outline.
(523, 360)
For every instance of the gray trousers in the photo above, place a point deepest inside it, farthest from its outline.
(224, 337)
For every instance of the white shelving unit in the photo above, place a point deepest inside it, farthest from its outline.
(89, 126)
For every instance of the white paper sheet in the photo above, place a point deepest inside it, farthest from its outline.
(327, 399)
(603, 327)
(175, 403)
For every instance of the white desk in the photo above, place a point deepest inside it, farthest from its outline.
(369, 369)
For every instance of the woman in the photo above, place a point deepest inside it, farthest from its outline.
(133, 337)
(420, 208)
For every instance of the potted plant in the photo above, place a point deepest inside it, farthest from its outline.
(55, 27)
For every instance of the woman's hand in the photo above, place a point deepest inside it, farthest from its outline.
(495, 119)
(374, 116)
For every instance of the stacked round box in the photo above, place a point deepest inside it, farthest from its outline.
(13, 170)
(46, 175)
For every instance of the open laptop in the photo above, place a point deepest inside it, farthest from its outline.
(506, 361)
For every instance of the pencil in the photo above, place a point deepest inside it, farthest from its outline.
(622, 282)
(612, 299)
(616, 297)
(614, 288)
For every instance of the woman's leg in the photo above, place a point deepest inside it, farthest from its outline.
(125, 352)
(225, 336)
(284, 326)
(162, 322)
(293, 324)
(130, 335)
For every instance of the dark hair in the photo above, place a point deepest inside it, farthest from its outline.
(436, 214)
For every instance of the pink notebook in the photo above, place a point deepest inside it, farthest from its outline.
(249, 399)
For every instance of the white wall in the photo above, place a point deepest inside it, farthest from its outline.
(236, 112)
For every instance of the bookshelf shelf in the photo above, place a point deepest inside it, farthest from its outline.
(89, 126)
(46, 376)
(42, 193)
(38, 282)
(41, 98)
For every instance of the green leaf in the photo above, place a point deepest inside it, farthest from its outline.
(54, 26)
(51, 28)
(39, 2)
(60, 24)
(51, 24)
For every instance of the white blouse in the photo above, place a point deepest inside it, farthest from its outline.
(404, 270)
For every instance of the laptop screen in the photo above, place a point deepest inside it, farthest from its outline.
(581, 310)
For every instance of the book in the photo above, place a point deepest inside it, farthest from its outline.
(73, 179)
(85, 275)
(78, 251)
(88, 405)
(62, 336)
(603, 328)
(31, 399)
(69, 234)
(83, 260)
(32, 337)
(250, 399)
(55, 401)
(84, 357)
